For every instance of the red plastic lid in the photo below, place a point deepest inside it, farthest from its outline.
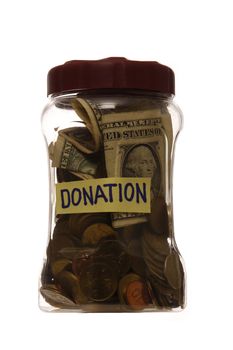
(111, 73)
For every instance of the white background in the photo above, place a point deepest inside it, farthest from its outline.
(195, 39)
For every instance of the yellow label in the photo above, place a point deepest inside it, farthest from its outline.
(115, 194)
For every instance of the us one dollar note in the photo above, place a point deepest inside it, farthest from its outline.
(66, 156)
(136, 144)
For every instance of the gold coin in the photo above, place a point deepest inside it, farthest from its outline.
(173, 270)
(71, 286)
(58, 265)
(98, 281)
(79, 222)
(55, 298)
(95, 232)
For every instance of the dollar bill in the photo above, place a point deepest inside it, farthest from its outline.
(65, 155)
(138, 144)
(88, 139)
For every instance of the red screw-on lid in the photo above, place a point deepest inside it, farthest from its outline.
(111, 73)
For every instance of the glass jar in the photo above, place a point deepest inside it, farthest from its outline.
(110, 126)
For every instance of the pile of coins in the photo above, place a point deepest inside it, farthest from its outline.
(132, 268)
(90, 263)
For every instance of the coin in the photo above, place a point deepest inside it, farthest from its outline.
(173, 270)
(115, 253)
(61, 228)
(150, 250)
(58, 265)
(133, 291)
(95, 232)
(78, 264)
(71, 286)
(58, 244)
(153, 256)
(137, 262)
(155, 250)
(170, 298)
(46, 274)
(166, 296)
(81, 258)
(130, 232)
(148, 253)
(55, 298)
(98, 281)
(158, 243)
(74, 252)
(158, 218)
(154, 270)
(79, 222)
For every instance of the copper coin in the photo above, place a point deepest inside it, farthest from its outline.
(137, 295)
(95, 232)
(133, 291)
(78, 223)
(80, 260)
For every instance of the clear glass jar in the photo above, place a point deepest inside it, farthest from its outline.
(111, 244)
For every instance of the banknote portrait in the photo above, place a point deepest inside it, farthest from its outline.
(142, 161)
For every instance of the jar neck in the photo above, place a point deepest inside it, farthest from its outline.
(134, 92)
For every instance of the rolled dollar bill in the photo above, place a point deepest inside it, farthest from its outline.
(65, 155)
(81, 138)
(87, 139)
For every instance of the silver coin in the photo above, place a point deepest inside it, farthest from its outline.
(173, 270)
